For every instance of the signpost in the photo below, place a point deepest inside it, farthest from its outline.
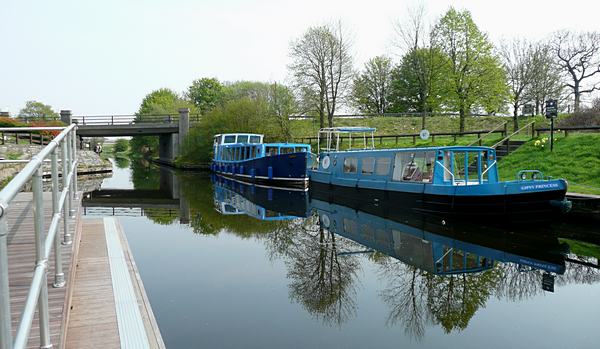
(551, 113)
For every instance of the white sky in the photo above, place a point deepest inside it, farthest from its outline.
(103, 57)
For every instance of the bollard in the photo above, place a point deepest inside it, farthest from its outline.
(5, 317)
(38, 223)
(59, 276)
(67, 237)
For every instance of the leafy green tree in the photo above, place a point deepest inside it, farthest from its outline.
(205, 93)
(34, 109)
(419, 82)
(475, 73)
(121, 145)
(371, 88)
(160, 102)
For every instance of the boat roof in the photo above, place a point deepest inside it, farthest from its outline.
(449, 147)
(348, 129)
(238, 134)
(269, 144)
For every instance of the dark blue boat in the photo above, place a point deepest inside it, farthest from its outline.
(452, 179)
(244, 157)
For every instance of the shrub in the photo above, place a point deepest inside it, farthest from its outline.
(121, 145)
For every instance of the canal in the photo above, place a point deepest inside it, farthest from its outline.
(227, 265)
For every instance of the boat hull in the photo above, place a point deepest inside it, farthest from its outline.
(532, 205)
(284, 170)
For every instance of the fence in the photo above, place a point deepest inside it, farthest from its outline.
(62, 207)
(116, 120)
(19, 136)
(567, 129)
(415, 135)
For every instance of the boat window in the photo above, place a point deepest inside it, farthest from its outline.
(286, 150)
(254, 139)
(368, 165)
(413, 166)
(242, 139)
(217, 140)
(350, 165)
(382, 166)
(301, 150)
(473, 168)
(229, 139)
(270, 151)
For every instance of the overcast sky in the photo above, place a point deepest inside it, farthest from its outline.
(102, 57)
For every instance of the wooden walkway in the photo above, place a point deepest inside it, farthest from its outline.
(94, 320)
(21, 261)
(84, 313)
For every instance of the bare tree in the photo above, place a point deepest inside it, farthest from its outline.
(546, 82)
(578, 57)
(517, 59)
(322, 69)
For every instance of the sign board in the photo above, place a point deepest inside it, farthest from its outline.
(548, 282)
(424, 134)
(551, 108)
(528, 109)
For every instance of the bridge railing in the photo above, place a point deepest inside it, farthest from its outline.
(120, 120)
(45, 241)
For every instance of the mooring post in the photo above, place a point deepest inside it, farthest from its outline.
(40, 262)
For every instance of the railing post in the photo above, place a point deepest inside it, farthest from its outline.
(5, 318)
(532, 129)
(59, 276)
(38, 223)
(67, 238)
(505, 129)
(74, 161)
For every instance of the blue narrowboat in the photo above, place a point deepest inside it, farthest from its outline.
(244, 156)
(448, 179)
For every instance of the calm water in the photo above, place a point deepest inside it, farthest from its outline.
(232, 266)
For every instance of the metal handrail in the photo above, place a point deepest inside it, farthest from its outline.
(512, 134)
(62, 207)
(489, 133)
(447, 170)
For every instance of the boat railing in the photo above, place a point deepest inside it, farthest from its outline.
(45, 241)
(487, 169)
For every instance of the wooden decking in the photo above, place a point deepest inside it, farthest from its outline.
(93, 320)
(83, 314)
(21, 260)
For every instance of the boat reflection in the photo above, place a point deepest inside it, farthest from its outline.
(232, 197)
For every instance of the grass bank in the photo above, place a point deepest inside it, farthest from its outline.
(576, 158)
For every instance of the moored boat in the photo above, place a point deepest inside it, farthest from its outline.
(244, 156)
(447, 179)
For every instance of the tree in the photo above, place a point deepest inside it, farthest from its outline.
(578, 57)
(371, 89)
(205, 93)
(34, 109)
(518, 59)
(419, 82)
(160, 102)
(546, 81)
(322, 69)
(473, 69)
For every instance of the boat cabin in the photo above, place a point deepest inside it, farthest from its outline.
(450, 165)
(236, 147)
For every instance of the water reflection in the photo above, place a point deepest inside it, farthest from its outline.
(430, 271)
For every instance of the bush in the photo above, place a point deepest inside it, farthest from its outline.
(121, 145)
(586, 117)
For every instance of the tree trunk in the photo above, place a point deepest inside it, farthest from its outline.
(462, 115)
(577, 100)
(516, 117)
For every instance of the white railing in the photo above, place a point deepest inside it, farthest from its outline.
(62, 207)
